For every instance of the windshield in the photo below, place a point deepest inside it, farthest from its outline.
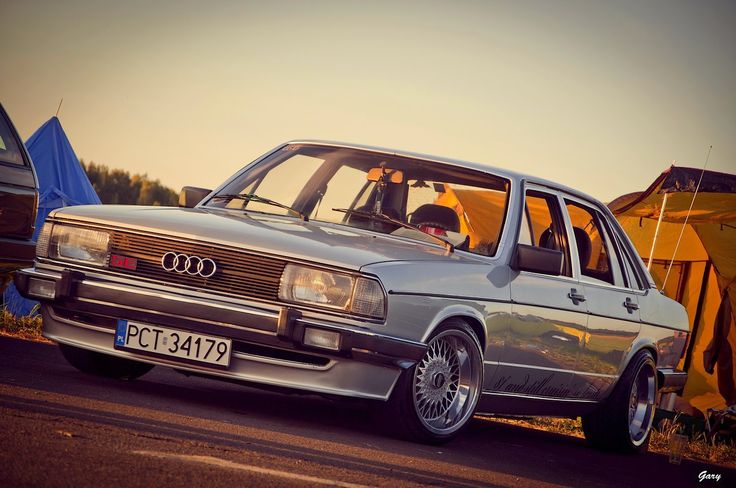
(376, 192)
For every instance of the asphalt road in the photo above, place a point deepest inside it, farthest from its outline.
(59, 427)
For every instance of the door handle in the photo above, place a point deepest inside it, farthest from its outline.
(575, 296)
(631, 305)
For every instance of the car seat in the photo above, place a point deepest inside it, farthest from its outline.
(432, 216)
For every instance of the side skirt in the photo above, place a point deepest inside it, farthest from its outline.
(494, 403)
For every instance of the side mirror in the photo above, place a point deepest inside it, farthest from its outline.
(537, 260)
(190, 196)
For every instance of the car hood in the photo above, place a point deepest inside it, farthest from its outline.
(330, 244)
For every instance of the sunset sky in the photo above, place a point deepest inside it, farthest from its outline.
(599, 95)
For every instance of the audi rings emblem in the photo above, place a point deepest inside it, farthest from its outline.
(191, 265)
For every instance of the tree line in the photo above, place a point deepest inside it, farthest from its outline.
(117, 186)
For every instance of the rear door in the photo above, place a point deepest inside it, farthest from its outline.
(611, 297)
(548, 320)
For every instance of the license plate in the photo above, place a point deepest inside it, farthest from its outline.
(162, 341)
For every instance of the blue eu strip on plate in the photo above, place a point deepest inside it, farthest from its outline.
(120, 332)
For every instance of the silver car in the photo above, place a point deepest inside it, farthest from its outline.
(433, 287)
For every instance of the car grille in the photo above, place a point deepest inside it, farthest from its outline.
(238, 272)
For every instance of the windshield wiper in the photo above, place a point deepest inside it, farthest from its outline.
(252, 197)
(449, 247)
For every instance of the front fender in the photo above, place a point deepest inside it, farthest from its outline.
(460, 311)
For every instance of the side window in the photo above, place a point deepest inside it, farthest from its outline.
(593, 243)
(544, 228)
(9, 150)
(633, 279)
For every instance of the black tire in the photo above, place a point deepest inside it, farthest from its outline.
(455, 360)
(623, 423)
(98, 364)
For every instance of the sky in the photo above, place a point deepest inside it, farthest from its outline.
(598, 95)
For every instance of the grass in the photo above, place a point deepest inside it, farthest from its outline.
(697, 448)
(28, 327)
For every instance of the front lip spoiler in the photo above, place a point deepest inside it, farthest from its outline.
(280, 327)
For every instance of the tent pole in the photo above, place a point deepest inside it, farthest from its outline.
(656, 231)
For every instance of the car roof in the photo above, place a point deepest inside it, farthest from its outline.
(516, 177)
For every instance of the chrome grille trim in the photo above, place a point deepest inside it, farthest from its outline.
(238, 272)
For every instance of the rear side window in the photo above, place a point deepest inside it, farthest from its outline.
(9, 150)
(632, 278)
(591, 239)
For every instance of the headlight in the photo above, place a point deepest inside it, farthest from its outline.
(78, 244)
(333, 290)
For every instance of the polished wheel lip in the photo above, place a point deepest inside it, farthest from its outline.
(642, 397)
(446, 382)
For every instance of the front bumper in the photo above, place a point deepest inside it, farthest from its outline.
(268, 338)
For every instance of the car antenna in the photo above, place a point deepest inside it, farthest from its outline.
(684, 224)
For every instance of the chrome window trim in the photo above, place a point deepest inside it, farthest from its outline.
(563, 278)
(608, 286)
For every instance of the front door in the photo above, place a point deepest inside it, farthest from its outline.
(549, 316)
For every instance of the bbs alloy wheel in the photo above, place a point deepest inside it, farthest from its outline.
(447, 382)
(436, 398)
(624, 420)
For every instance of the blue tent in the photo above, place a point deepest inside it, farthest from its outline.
(62, 182)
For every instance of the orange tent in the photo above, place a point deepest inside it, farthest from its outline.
(702, 274)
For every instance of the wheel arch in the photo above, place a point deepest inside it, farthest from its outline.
(636, 348)
(472, 317)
